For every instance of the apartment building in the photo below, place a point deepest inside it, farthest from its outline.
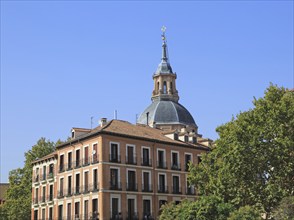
(120, 170)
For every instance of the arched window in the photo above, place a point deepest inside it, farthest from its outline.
(164, 87)
(158, 86)
(171, 86)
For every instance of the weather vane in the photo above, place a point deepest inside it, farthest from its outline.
(163, 29)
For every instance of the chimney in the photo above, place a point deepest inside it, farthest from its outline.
(103, 121)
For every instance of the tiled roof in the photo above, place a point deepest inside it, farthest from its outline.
(52, 155)
(139, 131)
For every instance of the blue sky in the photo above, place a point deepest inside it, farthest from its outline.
(63, 62)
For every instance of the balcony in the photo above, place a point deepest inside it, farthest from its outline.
(95, 159)
(43, 177)
(69, 192)
(49, 198)
(43, 199)
(131, 160)
(93, 215)
(145, 162)
(147, 216)
(86, 161)
(77, 190)
(176, 190)
(162, 189)
(77, 163)
(190, 191)
(176, 166)
(147, 188)
(50, 176)
(115, 186)
(94, 187)
(86, 189)
(132, 186)
(35, 201)
(60, 194)
(61, 168)
(36, 178)
(114, 158)
(69, 166)
(132, 216)
(116, 216)
(161, 165)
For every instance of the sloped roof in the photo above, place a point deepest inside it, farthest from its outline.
(126, 129)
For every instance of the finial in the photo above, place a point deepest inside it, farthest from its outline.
(163, 29)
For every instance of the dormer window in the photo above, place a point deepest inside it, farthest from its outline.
(186, 138)
(176, 136)
(73, 134)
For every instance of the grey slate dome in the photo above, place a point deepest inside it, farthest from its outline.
(166, 113)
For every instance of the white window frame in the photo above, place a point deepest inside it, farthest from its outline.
(164, 155)
(165, 179)
(146, 171)
(132, 197)
(178, 157)
(115, 196)
(118, 147)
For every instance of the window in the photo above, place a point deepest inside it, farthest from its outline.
(44, 173)
(77, 210)
(86, 159)
(114, 155)
(186, 138)
(95, 180)
(175, 161)
(199, 159)
(146, 182)
(176, 185)
(114, 208)
(69, 217)
(131, 157)
(164, 87)
(189, 189)
(60, 194)
(36, 195)
(131, 215)
(188, 158)
(95, 154)
(86, 182)
(60, 214)
(162, 187)
(78, 158)
(43, 214)
(35, 214)
(77, 191)
(161, 203)
(51, 170)
(69, 161)
(43, 194)
(95, 209)
(51, 193)
(114, 183)
(146, 209)
(131, 184)
(50, 213)
(61, 165)
(161, 159)
(69, 185)
(146, 161)
(171, 86)
(86, 209)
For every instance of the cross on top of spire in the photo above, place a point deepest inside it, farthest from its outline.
(163, 29)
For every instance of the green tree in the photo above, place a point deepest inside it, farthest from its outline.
(252, 161)
(18, 197)
(285, 210)
(206, 207)
(246, 213)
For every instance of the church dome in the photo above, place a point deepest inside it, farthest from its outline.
(166, 113)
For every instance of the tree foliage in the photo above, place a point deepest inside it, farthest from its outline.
(285, 210)
(207, 207)
(252, 161)
(246, 213)
(18, 197)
